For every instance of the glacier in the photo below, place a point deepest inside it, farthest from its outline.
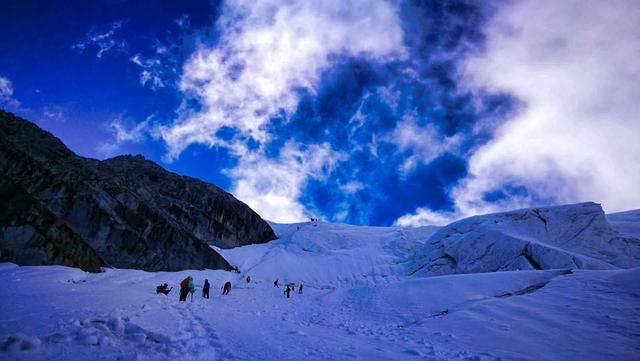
(549, 283)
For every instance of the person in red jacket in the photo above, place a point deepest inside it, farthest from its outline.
(186, 286)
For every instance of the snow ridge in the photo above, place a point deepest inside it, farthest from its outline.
(572, 236)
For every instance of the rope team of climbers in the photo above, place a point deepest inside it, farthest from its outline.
(187, 285)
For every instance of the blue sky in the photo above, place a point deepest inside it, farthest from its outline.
(365, 112)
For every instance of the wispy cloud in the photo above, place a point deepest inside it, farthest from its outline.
(151, 74)
(102, 41)
(55, 114)
(183, 21)
(6, 94)
(424, 143)
(123, 134)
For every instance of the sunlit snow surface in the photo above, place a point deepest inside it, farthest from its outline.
(358, 303)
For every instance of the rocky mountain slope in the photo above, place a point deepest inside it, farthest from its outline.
(569, 236)
(32, 235)
(132, 212)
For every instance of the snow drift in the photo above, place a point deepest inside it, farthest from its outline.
(574, 236)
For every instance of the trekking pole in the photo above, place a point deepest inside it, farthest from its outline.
(191, 296)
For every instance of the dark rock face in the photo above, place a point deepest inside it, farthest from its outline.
(132, 212)
(202, 209)
(31, 235)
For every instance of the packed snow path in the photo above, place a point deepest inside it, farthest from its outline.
(60, 313)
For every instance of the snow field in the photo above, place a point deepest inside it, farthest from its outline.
(55, 312)
(360, 301)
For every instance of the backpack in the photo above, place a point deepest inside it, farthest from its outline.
(184, 283)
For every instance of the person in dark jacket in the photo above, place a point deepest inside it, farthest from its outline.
(248, 279)
(288, 291)
(226, 288)
(275, 284)
(300, 289)
(205, 289)
(163, 289)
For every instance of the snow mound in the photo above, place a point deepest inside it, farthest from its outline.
(107, 331)
(627, 223)
(329, 255)
(572, 236)
(20, 342)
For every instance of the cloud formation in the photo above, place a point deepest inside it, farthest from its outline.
(6, 94)
(421, 113)
(102, 41)
(574, 67)
(273, 186)
(122, 134)
(424, 143)
(151, 74)
(268, 54)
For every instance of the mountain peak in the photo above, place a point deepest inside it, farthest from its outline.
(130, 210)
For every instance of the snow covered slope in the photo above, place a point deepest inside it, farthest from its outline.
(573, 236)
(627, 223)
(60, 313)
(360, 301)
(329, 255)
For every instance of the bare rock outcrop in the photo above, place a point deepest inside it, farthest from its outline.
(133, 213)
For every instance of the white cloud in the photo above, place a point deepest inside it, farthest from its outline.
(6, 94)
(267, 52)
(55, 113)
(575, 66)
(122, 134)
(151, 73)
(423, 217)
(6, 88)
(425, 142)
(351, 187)
(102, 41)
(272, 187)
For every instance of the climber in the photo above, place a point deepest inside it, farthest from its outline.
(300, 289)
(275, 283)
(186, 286)
(163, 289)
(288, 291)
(205, 289)
(226, 288)
(248, 279)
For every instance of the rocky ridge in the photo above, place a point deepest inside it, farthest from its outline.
(131, 211)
